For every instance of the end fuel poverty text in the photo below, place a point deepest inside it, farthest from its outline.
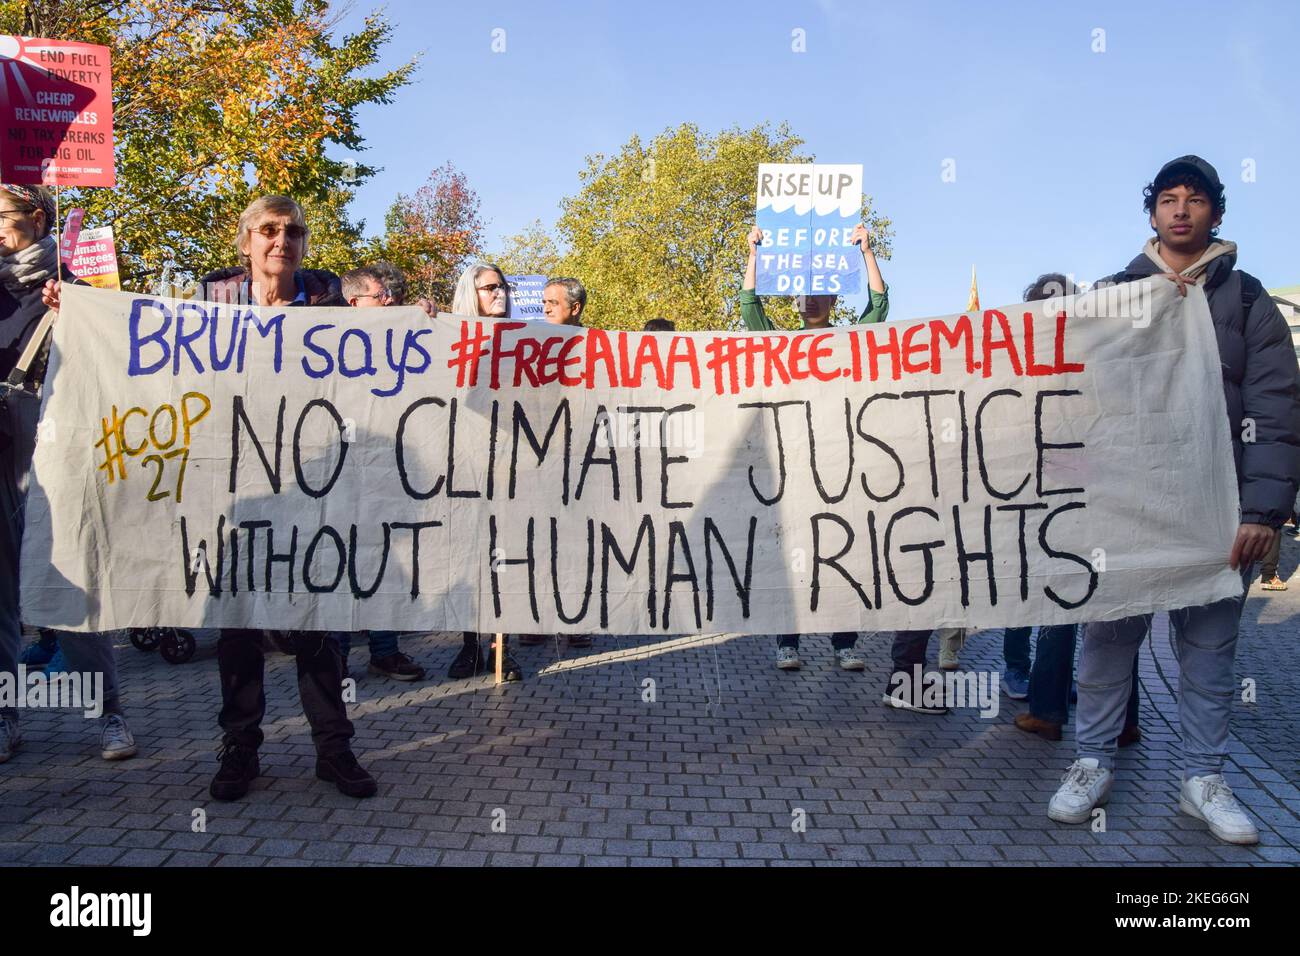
(197, 338)
(704, 558)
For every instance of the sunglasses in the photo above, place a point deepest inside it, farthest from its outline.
(272, 229)
(494, 288)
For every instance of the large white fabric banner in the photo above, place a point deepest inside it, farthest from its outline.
(330, 469)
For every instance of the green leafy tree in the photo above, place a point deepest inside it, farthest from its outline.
(531, 252)
(216, 102)
(659, 228)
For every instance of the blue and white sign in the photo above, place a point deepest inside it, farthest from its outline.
(807, 213)
(526, 296)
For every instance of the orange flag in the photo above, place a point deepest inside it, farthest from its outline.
(973, 303)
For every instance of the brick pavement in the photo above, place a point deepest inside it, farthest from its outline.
(578, 769)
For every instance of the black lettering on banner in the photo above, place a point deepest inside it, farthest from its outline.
(239, 416)
(1042, 446)
(883, 446)
(451, 458)
(742, 586)
(966, 558)
(1024, 552)
(812, 453)
(780, 450)
(925, 397)
(608, 545)
(415, 527)
(875, 556)
(494, 563)
(212, 571)
(492, 450)
(979, 445)
(834, 560)
(312, 587)
(402, 473)
(521, 421)
(555, 570)
(591, 458)
(965, 447)
(251, 527)
(677, 532)
(297, 448)
(664, 461)
(927, 547)
(353, 582)
(288, 558)
(1068, 556)
(234, 560)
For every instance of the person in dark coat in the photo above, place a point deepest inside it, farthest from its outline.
(272, 241)
(28, 289)
(1186, 203)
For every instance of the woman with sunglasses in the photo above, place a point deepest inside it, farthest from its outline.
(28, 288)
(482, 291)
(272, 241)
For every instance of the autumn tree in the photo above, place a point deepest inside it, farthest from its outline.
(658, 229)
(432, 234)
(216, 102)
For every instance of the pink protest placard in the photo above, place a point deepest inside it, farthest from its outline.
(56, 109)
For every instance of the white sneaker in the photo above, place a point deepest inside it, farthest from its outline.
(1209, 798)
(116, 741)
(10, 738)
(850, 660)
(787, 659)
(1085, 785)
(950, 642)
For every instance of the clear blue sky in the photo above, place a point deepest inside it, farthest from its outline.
(1052, 142)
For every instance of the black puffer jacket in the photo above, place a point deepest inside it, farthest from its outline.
(321, 285)
(1261, 384)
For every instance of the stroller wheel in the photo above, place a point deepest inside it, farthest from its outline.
(177, 646)
(146, 638)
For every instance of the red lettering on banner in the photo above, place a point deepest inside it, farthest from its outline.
(818, 351)
(686, 357)
(565, 360)
(599, 350)
(1062, 366)
(773, 346)
(1032, 367)
(909, 348)
(875, 350)
(647, 352)
(499, 354)
(1007, 342)
(960, 332)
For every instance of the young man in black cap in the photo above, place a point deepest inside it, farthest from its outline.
(1185, 203)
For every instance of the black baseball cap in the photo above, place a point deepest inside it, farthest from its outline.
(1196, 165)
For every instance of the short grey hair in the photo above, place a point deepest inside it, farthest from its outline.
(465, 299)
(574, 289)
(279, 205)
(353, 281)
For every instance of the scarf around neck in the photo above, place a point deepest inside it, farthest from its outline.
(30, 267)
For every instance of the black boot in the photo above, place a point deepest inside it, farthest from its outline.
(239, 768)
(344, 772)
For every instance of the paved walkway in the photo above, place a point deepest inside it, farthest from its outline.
(575, 766)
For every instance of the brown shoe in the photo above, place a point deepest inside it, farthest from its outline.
(1130, 735)
(580, 640)
(1034, 725)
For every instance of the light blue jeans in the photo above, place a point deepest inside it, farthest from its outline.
(1205, 641)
